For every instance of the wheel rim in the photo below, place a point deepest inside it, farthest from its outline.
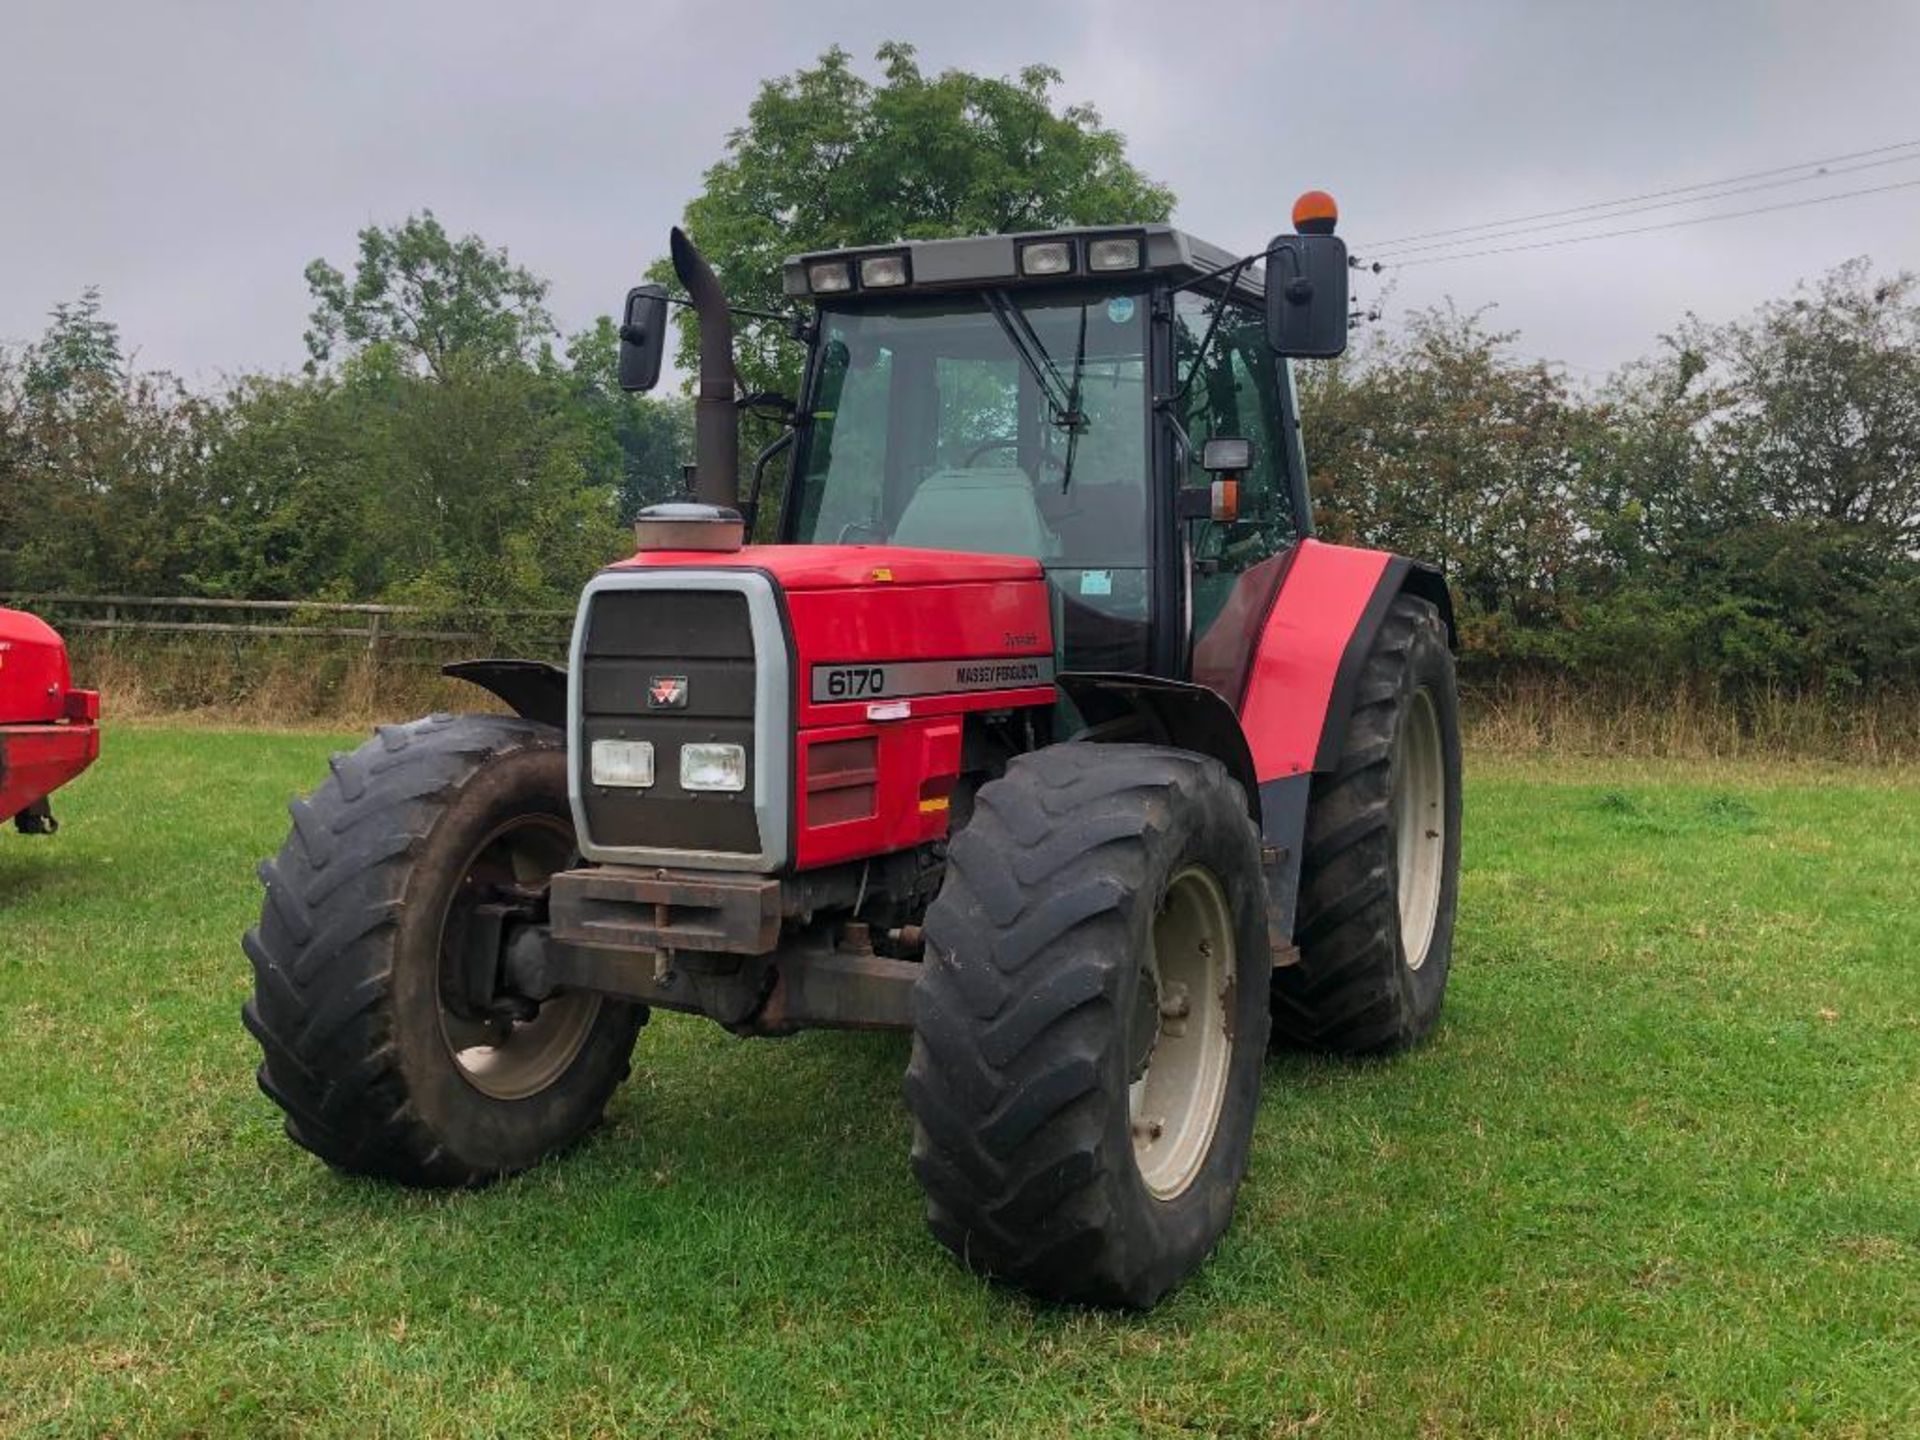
(1420, 825)
(1182, 1034)
(510, 1059)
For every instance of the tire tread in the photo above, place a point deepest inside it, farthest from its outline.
(1341, 995)
(1011, 1120)
(321, 952)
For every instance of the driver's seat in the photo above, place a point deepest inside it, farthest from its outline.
(988, 511)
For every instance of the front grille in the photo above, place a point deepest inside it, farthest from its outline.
(637, 643)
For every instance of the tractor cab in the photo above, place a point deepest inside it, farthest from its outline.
(1115, 404)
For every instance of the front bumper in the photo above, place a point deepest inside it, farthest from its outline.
(624, 907)
(709, 944)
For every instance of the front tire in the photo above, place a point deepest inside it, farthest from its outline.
(1091, 1023)
(381, 1066)
(1380, 871)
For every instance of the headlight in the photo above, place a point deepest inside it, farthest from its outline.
(713, 767)
(1048, 257)
(877, 272)
(830, 277)
(623, 762)
(1117, 252)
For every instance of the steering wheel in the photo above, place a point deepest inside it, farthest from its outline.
(866, 530)
(1046, 457)
(984, 446)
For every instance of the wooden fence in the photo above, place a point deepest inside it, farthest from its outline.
(377, 627)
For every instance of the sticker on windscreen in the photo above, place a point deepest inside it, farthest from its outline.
(1120, 309)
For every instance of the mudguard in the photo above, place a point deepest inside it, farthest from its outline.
(535, 689)
(1163, 712)
(1291, 641)
(1287, 651)
(1146, 708)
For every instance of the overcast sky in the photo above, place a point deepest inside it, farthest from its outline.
(190, 158)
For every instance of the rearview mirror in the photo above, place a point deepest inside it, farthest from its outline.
(643, 337)
(1307, 296)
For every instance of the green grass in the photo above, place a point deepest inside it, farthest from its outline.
(1658, 1172)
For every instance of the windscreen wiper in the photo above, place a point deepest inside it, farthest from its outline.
(1079, 425)
(1063, 400)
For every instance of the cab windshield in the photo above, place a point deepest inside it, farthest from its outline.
(1000, 424)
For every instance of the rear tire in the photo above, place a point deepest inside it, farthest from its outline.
(1091, 1024)
(378, 1071)
(1381, 867)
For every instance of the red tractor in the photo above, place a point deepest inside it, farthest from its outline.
(1046, 731)
(49, 731)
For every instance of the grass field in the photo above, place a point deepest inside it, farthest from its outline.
(1658, 1173)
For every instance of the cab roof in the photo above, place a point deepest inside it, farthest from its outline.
(973, 261)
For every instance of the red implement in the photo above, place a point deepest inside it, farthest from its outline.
(49, 731)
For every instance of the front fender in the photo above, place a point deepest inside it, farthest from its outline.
(535, 689)
(1149, 709)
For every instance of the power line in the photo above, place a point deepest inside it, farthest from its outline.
(1647, 195)
(1822, 174)
(1648, 229)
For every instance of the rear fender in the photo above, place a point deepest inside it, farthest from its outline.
(535, 689)
(1288, 649)
(1312, 646)
(1399, 576)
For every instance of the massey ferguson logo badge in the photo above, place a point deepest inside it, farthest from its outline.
(667, 692)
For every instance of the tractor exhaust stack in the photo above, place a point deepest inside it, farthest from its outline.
(716, 419)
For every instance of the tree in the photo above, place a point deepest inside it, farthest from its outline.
(104, 494)
(1826, 424)
(286, 512)
(828, 158)
(99, 465)
(1763, 510)
(644, 439)
(1440, 443)
(434, 299)
(80, 350)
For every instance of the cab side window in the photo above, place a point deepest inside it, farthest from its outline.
(1234, 392)
(850, 421)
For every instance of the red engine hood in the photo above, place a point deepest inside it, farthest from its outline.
(839, 567)
(920, 638)
(883, 603)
